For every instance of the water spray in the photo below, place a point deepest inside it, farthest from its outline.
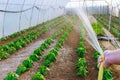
(93, 39)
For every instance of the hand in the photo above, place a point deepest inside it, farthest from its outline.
(106, 59)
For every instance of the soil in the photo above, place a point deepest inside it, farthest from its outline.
(64, 67)
(11, 63)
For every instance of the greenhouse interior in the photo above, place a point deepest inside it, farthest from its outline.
(59, 40)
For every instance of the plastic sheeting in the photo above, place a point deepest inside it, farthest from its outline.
(16, 15)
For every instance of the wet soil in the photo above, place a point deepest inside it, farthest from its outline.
(64, 67)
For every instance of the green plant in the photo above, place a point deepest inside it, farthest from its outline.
(81, 51)
(38, 76)
(107, 74)
(55, 51)
(11, 76)
(3, 39)
(17, 45)
(11, 50)
(98, 29)
(28, 63)
(34, 57)
(81, 62)
(48, 41)
(50, 56)
(21, 69)
(38, 51)
(47, 63)
(3, 55)
(82, 71)
(96, 55)
(43, 70)
(81, 66)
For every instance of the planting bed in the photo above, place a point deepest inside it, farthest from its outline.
(59, 53)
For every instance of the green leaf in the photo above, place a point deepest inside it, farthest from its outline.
(43, 70)
(47, 63)
(38, 51)
(11, 76)
(81, 51)
(3, 55)
(82, 71)
(28, 63)
(50, 56)
(38, 76)
(34, 57)
(21, 69)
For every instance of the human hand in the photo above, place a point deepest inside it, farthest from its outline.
(105, 59)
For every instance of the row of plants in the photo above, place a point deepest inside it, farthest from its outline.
(50, 57)
(107, 75)
(98, 29)
(114, 18)
(28, 62)
(113, 25)
(27, 30)
(113, 30)
(81, 64)
(12, 47)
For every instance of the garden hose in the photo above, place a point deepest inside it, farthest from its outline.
(101, 68)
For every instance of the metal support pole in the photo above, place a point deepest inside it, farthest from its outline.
(3, 29)
(21, 15)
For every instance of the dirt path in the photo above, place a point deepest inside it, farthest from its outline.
(64, 67)
(14, 60)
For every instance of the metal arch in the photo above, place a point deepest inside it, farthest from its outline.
(21, 14)
(4, 19)
(39, 11)
(32, 13)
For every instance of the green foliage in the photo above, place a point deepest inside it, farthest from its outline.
(21, 69)
(28, 63)
(45, 45)
(43, 70)
(107, 74)
(48, 41)
(96, 55)
(47, 63)
(17, 45)
(81, 62)
(54, 51)
(81, 51)
(11, 50)
(38, 76)
(3, 39)
(34, 57)
(38, 51)
(82, 71)
(81, 67)
(11, 76)
(3, 55)
(50, 56)
(98, 29)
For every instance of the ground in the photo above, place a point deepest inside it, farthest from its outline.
(64, 67)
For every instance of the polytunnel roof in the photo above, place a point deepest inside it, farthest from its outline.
(112, 3)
